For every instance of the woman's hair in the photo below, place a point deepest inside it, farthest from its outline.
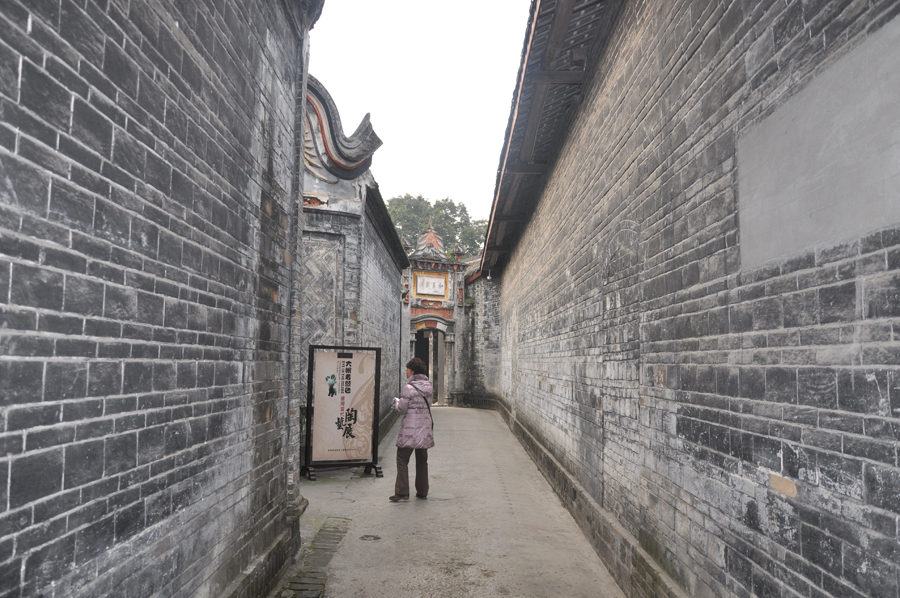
(417, 366)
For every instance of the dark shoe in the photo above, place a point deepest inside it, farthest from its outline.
(398, 497)
(422, 496)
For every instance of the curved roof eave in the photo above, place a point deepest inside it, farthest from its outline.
(559, 39)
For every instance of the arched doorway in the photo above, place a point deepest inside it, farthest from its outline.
(430, 347)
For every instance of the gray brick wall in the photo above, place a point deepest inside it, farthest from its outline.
(381, 310)
(146, 165)
(480, 363)
(729, 432)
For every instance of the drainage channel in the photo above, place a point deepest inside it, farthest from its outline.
(309, 581)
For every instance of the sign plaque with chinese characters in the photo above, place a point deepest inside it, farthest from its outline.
(431, 285)
(342, 407)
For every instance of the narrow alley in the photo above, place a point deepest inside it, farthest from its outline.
(491, 526)
(668, 340)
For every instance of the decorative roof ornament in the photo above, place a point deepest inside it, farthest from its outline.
(344, 157)
(429, 246)
(314, 164)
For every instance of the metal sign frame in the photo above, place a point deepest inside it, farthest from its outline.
(309, 469)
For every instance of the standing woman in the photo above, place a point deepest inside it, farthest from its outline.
(416, 430)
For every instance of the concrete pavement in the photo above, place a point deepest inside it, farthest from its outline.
(491, 526)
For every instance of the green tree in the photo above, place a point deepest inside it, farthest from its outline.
(410, 215)
(471, 238)
(445, 218)
(450, 220)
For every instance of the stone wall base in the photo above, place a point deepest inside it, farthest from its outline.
(258, 580)
(464, 399)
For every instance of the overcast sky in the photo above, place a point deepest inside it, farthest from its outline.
(437, 77)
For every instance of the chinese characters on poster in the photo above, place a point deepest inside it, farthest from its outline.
(430, 285)
(344, 404)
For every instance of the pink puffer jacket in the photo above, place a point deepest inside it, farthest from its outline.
(415, 428)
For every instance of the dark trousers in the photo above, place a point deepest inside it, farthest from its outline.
(402, 484)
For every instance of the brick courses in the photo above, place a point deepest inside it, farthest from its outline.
(381, 308)
(147, 166)
(480, 340)
(730, 432)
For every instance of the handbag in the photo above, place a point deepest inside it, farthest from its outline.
(424, 398)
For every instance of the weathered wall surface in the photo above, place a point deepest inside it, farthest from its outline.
(715, 428)
(329, 265)
(146, 162)
(480, 342)
(381, 310)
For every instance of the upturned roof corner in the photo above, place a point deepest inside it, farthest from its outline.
(344, 157)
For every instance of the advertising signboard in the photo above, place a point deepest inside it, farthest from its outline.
(342, 408)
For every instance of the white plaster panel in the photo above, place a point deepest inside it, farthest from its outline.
(825, 166)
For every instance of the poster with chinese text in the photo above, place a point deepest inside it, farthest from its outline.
(344, 390)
